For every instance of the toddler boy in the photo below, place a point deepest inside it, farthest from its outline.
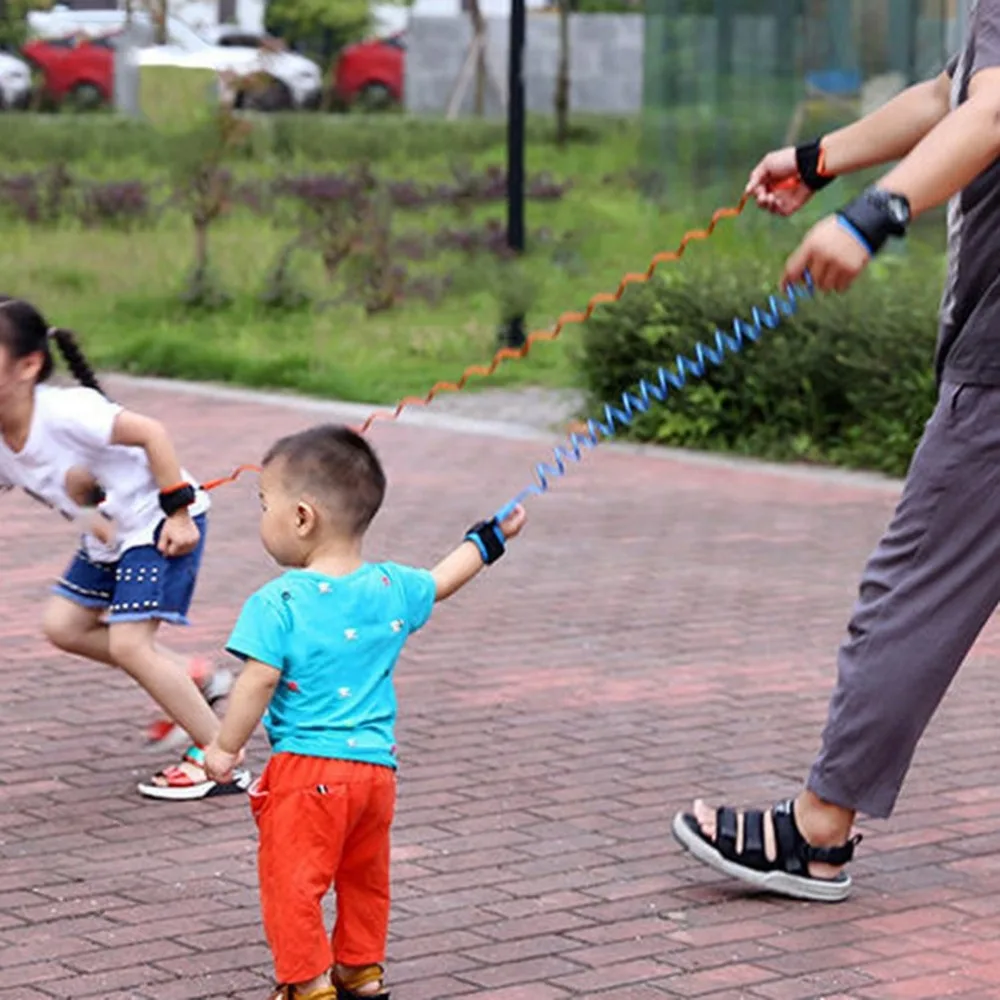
(320, 644)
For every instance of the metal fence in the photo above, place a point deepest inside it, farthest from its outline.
(726, 80)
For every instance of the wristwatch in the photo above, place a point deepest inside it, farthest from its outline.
(895, 206)
(875, 215)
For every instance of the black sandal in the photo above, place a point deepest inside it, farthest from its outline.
(788, 874)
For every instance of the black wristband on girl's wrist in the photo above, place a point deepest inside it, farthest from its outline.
(809, 163)
(173, 500)
(489, 539)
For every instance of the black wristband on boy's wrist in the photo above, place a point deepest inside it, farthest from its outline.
(809, 163)
(874, 216)
(489, 539)
(176, 499)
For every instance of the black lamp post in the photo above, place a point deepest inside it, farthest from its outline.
(512, 334)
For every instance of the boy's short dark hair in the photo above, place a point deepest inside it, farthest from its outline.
(338, 466)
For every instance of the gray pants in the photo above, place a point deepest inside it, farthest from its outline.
(928, 589)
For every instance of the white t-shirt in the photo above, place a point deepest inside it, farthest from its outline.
(73, 427)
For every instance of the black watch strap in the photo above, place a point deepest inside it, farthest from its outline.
(872, 220)
(808, 162)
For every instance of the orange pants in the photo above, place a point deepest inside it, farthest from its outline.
(323, 822)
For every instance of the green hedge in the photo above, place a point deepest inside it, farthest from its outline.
(848, 380)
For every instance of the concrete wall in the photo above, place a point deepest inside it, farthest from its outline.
(607, 50)
(605, 69)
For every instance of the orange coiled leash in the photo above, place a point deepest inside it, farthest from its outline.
(511, 353)
(231, 478)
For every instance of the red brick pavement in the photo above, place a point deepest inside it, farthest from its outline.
(662, 627)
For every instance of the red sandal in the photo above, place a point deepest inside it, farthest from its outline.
(175, 784)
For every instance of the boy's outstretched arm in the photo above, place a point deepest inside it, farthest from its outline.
(248, 701)
(458, 568)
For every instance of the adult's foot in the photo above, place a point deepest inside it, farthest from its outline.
(798, 848)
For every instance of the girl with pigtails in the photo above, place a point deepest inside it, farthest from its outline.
(75, 450)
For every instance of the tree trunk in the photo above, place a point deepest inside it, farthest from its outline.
(200, 245)
(562, 76)
(479, 34)
(159, 12)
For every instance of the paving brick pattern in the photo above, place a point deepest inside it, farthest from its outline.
(662, 627)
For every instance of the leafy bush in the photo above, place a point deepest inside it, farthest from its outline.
(114, 203)
(847, 380)
(37, 198)
(469, 190)
(54, 193)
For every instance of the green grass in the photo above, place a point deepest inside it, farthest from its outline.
(121, 290)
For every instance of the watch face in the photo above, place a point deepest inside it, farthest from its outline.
(895, 206)
(898, 210)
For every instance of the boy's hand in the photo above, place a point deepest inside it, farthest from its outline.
(482, 547)
(512, 524)
(179, 535)
(775, 183)
(219, 764)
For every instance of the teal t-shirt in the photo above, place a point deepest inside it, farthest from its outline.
(336, 641)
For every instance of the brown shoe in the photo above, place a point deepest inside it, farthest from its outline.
(347, 988)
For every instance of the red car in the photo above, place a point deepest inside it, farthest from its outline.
(76, 68)
(371, 72)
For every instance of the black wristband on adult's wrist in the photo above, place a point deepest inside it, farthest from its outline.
(174, 500)
(807, 156)
(875, 215)
(488, 538)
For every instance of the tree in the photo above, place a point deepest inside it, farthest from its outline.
(14, 21)
(158, 12)
(203, 186)
(479, 40)
(562, 75)
(320, 27)
(475, 67)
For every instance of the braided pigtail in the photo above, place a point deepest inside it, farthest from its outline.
(74, 358)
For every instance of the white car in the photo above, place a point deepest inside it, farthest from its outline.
(15, 82)
(295, 82)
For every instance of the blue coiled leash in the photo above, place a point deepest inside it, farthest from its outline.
(639, 399)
